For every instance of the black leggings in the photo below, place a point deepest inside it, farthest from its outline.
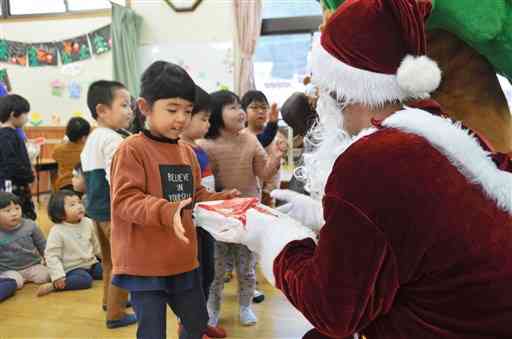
(206, 253)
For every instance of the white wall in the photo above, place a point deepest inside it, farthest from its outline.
(34, 83)
(200, 41)
(212, 21)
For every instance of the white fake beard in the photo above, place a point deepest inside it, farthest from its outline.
(322, 146)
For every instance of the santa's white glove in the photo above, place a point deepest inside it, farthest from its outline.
(302, 208)
(267, 235)
(265, 232)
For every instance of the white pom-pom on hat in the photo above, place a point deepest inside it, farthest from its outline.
(418, 75)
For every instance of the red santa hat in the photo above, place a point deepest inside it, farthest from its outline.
(373, 52)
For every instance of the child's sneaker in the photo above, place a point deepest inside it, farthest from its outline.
(205, 336)
(247, 316)
(258, 297)
(213, 319)
(126, 320)
(216, 332)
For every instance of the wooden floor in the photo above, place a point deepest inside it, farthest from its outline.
(78, 314)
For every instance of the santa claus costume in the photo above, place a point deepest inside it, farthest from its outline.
(417, 235)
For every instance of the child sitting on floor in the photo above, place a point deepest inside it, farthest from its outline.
(72, 246)
(21, 247)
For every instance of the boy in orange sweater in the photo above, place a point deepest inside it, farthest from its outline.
(155, 180)
(67, 154)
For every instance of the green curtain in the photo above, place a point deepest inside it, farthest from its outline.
(126, 26)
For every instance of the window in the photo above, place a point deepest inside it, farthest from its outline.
(81, 5)
(36, 7)
(21, 7)
(282, 52)
(281, 63)
(290, 8)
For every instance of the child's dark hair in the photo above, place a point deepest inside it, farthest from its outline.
(252, 96)
(164, 80)
(102, 92)
(7, 198)
(219, 99)
(77, 128)
(15, 104)
(202, 101)
(56, 210)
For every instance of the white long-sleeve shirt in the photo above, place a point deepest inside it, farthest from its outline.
(71, 246)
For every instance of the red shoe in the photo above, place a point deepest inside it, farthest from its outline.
(216, 332)
(206, 336)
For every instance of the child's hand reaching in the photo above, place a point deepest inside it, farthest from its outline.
(281, 146)
(60, 284)
(179, 230)
(274, 113)
(231, 194)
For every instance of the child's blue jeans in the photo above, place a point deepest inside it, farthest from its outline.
(7, 288)
(82, 278)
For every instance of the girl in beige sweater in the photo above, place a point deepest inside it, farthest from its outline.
(72, 246)
(237, 160)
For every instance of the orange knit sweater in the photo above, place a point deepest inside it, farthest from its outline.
(149, 177)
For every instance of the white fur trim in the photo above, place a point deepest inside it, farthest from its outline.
(418, 75)
(462, 150)
(356, 85)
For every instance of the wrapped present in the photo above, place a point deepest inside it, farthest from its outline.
(227, 220)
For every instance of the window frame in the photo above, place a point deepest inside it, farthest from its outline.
(291, 25)
(5, 4)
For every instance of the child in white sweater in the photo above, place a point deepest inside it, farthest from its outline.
(72, 246)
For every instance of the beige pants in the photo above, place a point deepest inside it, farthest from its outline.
(114, 297)
(37, 274)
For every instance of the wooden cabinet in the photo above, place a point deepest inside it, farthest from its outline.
(53, 136)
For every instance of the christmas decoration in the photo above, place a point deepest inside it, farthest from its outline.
(76, 49)
(42, 54)
(101, 40)
(13, 52)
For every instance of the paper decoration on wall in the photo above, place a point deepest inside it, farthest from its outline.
(77, 114)
(101, 40)
(36, 119)
(76, 49)
(71, 69)
(4, 79)
(4, 51)
(42, 54)
(45, 54)
(75, 90)
(13, 52)
(55, 119)
(57, 87)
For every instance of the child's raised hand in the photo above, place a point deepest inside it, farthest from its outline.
(231, 194)
(179, 230)
(60, 283)
(274, 113)
(280, 149)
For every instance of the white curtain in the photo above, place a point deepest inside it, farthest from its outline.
(248, 28)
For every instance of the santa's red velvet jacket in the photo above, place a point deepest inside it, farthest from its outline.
(417, 242)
